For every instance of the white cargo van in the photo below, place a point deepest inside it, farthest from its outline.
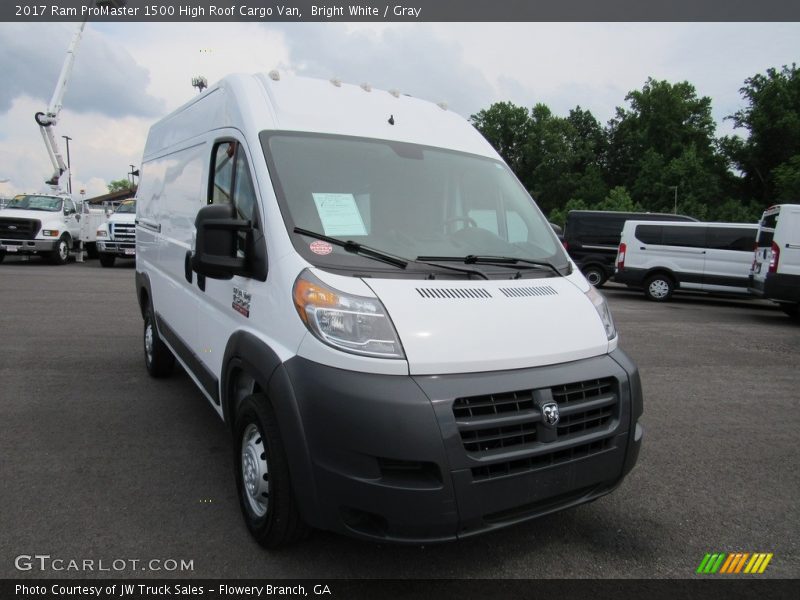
(775, 273)
(661, 257)
(368, 297)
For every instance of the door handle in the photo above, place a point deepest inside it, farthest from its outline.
(793, 246)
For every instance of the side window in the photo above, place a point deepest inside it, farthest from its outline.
(649, 234)
(731, 238)
(231, 183)
(69, 207)
(222, 173)
(689, 237)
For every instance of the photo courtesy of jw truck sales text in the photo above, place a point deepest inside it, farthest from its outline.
(396, 386)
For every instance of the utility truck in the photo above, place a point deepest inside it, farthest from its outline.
(116, 238)
(54, 222)
(47, 225)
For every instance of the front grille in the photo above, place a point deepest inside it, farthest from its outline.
(540, 461)
(19, 229)
(494, 423)
(123, 232)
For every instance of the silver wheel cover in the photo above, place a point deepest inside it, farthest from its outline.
(255, 471)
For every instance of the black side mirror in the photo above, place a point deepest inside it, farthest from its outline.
(215, 245)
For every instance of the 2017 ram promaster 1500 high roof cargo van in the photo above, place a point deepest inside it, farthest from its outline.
(366, 294)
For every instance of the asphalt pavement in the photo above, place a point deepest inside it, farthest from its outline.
(99, 462)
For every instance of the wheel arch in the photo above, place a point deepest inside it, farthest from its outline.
(248, 356)
(662, 271)
(143, 291)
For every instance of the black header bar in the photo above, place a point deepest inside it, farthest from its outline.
(401, 10)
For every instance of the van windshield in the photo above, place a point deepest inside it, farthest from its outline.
(403, 199)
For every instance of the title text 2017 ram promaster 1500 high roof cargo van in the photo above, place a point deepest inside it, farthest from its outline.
(363, 290)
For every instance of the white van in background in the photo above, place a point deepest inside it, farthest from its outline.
(775, 273)
(662, 257)
(365, 293)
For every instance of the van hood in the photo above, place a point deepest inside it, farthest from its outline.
(469, 326)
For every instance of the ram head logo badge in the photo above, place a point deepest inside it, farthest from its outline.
(550, 414)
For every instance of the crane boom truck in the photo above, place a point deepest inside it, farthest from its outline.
(53, 223)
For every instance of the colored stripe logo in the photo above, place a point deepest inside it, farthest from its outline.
(734, 563)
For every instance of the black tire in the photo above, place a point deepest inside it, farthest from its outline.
(91, 250)
(2, 256)
(60, 255)
(595, 275)
(107, 260)
(793, 310)
(659, 287)
(269, 508)
(157, 357)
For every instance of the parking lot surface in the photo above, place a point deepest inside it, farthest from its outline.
(101, 462)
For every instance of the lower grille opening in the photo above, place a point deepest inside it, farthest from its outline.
(364, 522)
(541, 461)
(519, 512)
(410, 473)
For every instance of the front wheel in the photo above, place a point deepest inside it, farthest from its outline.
(2, 256)
(659, 288)
(60, 254)
(157, 357)
(107, 260)
(262, 476)
(595, 275)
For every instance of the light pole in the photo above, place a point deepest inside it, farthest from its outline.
(675, 208)
(69, 164)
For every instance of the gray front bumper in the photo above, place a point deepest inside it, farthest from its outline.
(391, 459)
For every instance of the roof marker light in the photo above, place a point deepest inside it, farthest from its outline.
(336, 82)
(366, 87)
(395, 93)
(442, 105)
(274, 75)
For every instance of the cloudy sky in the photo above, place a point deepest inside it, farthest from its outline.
(128, 75)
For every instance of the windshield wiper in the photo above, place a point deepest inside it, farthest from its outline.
(356, 248)
(429, 260)
(500, 261)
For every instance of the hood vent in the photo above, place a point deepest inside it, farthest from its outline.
(454, 293)
(523, 292)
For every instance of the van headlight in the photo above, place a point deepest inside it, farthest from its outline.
(601, 306)
(351, 323)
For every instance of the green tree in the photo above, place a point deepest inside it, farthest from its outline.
(767, 157)
(666, 139)
(620, 200)
(506, 127)
(787, 180)
(118, 185)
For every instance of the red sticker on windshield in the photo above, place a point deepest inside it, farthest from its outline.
(321, 248)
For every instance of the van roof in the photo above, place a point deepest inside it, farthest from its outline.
(281, 101)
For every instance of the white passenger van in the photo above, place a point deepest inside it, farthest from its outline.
(364, 292)
(661, 257)
(775, 273)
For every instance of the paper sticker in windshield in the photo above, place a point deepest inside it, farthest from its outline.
(241, 302)
(339, 214)
(321, 248)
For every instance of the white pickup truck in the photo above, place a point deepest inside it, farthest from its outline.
(47, 225)
(117, 237)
